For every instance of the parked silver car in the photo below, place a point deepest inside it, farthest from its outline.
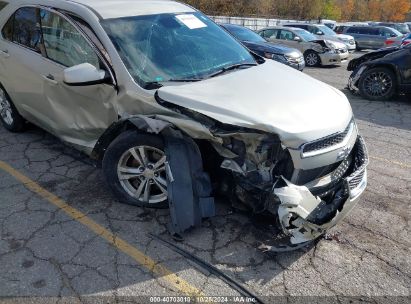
(322, 31)
(316, 51)
(177, 110)
(371, 37)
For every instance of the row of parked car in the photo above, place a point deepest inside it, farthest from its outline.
(378, 75)
(292, 45)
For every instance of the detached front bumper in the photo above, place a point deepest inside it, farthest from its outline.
(354, 78)
(304, 216)
(331, 58)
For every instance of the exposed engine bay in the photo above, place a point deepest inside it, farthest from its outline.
(256, 172)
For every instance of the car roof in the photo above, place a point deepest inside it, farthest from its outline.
(281, 28)
(108, 9)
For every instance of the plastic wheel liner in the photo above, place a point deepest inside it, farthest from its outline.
(189, 187)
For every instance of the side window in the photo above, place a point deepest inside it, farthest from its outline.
(7, 31)
(373, 31)
(352, 30)
(270, 34)
(286, 35)
(26, 28)
(63, 43)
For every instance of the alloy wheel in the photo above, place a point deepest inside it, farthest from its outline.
(6, 112)
(312, 59)
(142, 174)
(378, 84)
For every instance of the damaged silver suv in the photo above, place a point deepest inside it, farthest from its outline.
(178, 112)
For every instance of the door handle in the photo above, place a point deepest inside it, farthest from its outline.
(5, 53)
(50, 78)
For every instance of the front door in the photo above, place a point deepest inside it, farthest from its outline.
(78, 114)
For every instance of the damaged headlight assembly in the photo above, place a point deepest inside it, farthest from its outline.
(257, 172)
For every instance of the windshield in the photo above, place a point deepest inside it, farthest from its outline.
(402, 28)
(244, 34)
(306, 36)
(167, 47)
(326, 30)
(396, 32)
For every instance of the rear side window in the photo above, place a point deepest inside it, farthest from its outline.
(7, 31)
(26, 28)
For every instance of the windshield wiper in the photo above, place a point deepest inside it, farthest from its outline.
(231, 67)
(153, 85)
(185, 80)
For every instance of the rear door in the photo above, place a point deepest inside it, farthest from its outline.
(20, 61)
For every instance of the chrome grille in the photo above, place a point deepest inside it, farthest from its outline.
(355, 181)
(327, 142)
(360, 168)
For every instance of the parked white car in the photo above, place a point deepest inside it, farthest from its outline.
(155, 90)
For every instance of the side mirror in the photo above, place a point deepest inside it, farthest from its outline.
(84, 74)
(319, 33)
(298, 39)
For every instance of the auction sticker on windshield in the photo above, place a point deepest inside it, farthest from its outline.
(191, 21)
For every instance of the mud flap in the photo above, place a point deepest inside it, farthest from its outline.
(189, 187)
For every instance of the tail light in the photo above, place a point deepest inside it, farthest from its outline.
(389, 42)
(406, 42)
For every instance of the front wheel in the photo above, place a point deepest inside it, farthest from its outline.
(378, 84)
(9, 116)
(135, 169)
(312, 59)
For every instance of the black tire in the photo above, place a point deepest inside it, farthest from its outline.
(312, 59)
(378, 84)
(118, 156)
(9, 116)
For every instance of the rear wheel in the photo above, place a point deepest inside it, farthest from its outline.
(312, 59)
(9, 116)
(135, 169)
(378, 84)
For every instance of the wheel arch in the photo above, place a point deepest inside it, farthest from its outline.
(140, 123)
(389, 66)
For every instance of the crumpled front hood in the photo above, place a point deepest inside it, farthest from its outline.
(270, 97)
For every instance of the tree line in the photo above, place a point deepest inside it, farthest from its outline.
(340, 10)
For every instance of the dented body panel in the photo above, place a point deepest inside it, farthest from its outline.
(278, 141)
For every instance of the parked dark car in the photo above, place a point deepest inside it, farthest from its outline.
(382, 74)
(257, 44)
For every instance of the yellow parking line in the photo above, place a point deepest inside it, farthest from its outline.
(405, 166)
(176, 282)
